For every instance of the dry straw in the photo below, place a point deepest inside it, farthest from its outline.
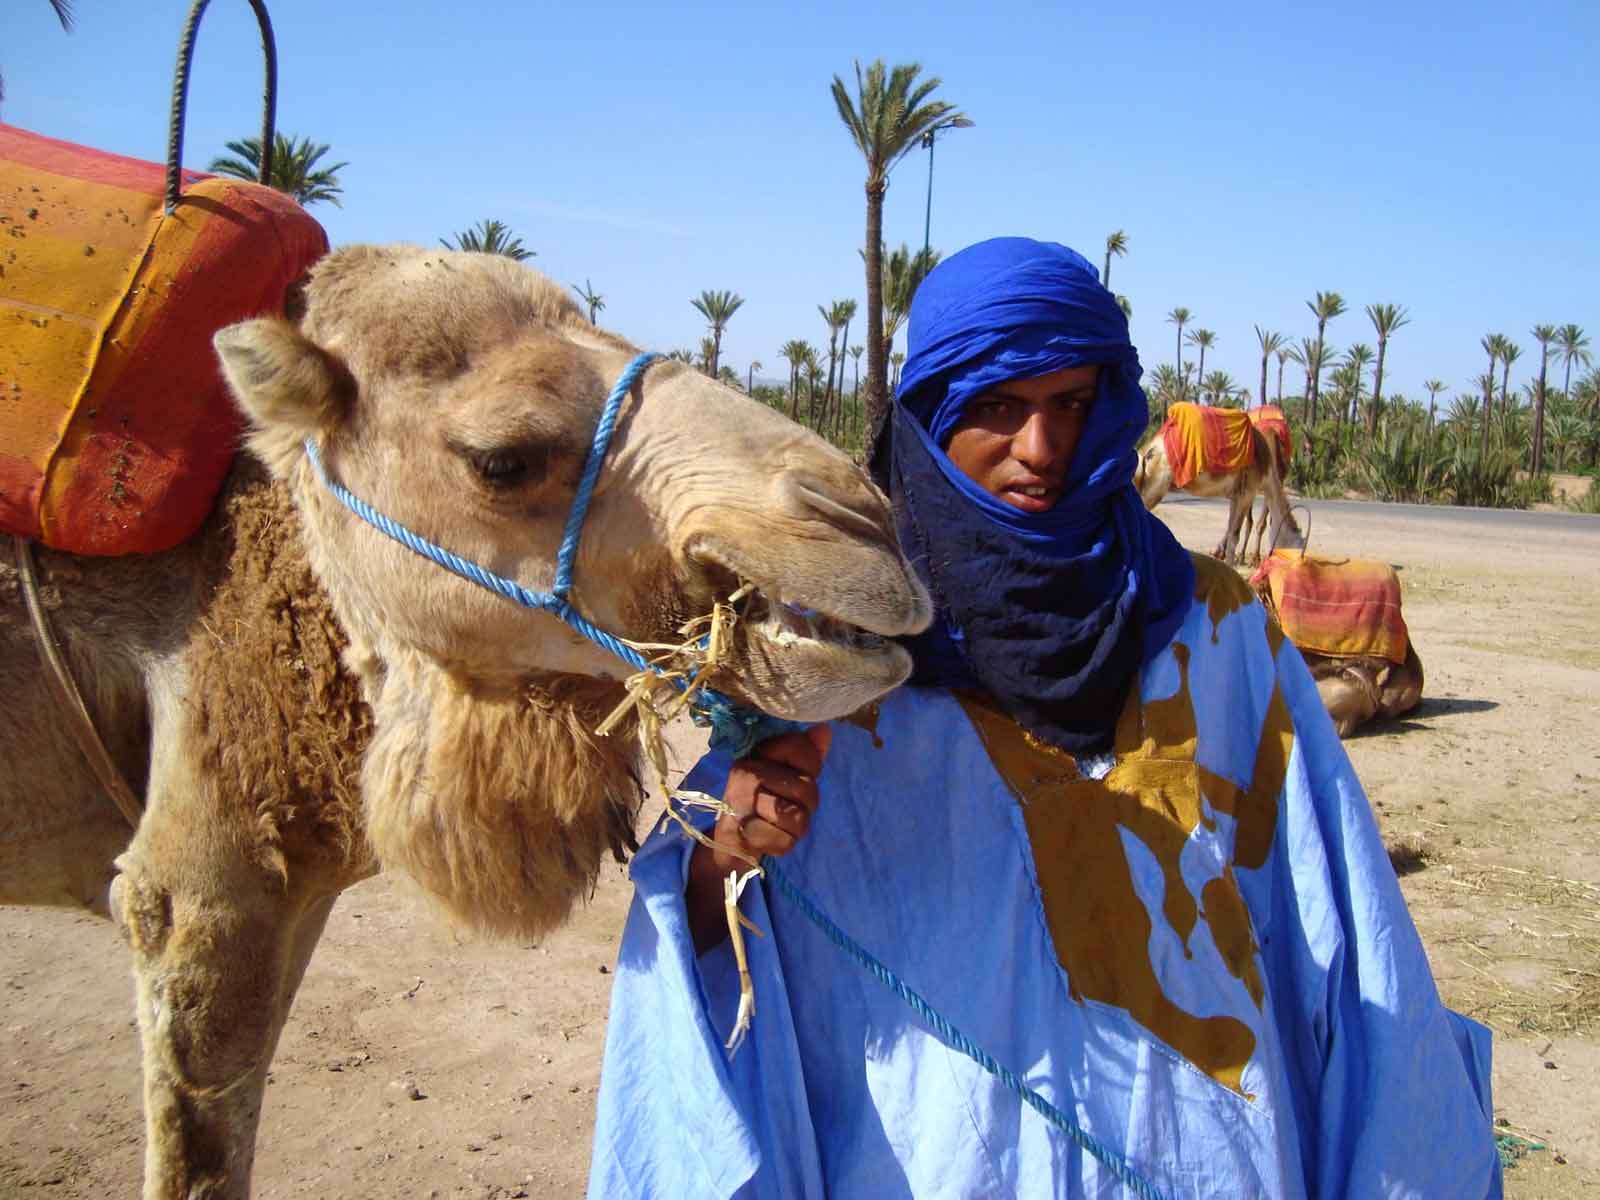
(676, 673)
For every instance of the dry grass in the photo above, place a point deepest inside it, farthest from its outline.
(1409, 854)
(1543, 973)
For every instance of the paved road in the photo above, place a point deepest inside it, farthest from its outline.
(1579, 529)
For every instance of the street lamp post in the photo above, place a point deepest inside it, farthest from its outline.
(928, 139)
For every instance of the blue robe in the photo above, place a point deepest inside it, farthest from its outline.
(1202, 958)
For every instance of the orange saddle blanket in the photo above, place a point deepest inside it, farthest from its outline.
(115, 426)
(1345, 607)
(1200, 438)
(1269, 419)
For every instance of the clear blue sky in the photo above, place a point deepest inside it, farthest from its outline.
(1436, 156)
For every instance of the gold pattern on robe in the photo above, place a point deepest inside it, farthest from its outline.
(1159, 795)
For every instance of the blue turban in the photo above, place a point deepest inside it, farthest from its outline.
(1052, 613)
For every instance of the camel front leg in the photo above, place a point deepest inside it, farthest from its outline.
(1227, 549)
(214, 981)
(221, 925)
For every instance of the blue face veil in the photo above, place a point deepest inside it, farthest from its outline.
(1051, 613)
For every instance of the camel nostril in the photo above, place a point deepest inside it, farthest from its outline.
(864, 516)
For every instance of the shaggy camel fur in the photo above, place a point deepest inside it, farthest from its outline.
(298, 700)
(1153, 477)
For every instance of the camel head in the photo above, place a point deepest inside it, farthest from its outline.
(457, 393)
(1152, 474)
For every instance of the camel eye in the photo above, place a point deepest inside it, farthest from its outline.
(504, 466)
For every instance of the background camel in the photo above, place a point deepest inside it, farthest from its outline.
(1345, 617)
(1259, 471)
(297, 699)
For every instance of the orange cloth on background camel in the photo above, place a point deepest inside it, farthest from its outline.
(1269, 419)
(115, 427)
(1345, 607)
(1200, 439)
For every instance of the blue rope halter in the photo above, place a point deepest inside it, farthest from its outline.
(734, 728)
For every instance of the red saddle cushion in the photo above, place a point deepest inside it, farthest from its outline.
(115, 426)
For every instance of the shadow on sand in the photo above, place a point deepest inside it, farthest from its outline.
(1420, 716)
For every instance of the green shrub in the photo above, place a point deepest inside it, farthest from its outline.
(1403, 463)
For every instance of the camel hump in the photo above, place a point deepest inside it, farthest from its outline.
(1201, 439)
(1270, 419)
(1341, 607)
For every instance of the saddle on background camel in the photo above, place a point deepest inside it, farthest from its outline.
(1200, 438)
(1342, 607)
(1269, 419)
(115, 427)
(1343, 615)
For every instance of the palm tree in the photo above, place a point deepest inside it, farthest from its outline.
(811, 365)
(845, 310)
(1509, 353)
(294, 168)
(1125, 305)
(1325, 307)
(1219, 386)
(886, 121)
(1544, 335)
(1492, 344)
(490, 237)
(837, 316)
(1573, 347)
(1163, 387)
(1385, 318)
(1285, 353)
(898, 359)
(750, 377)
(1204, 339)
(1355, 360)
(830, 319)
(592, 298)
(903, 273)
(856, 352)
(717, 308)
(1116, 243)
(1180, 317)
(794, 352)
(1434, 386)
(1270, 344)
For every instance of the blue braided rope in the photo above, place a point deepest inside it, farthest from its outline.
(591, 468)
(956, 1040)
(735, 728)
(548, 602)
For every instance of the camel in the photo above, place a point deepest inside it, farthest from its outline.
(1344, 616)
(1261, 473)
(297, 700)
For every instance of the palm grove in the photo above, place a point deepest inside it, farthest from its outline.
(1487, 443)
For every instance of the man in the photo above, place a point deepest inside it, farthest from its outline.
(1107, 833)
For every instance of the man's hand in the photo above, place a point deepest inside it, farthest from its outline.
(773, 795)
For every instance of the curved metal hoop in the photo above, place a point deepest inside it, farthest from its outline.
(180, 94)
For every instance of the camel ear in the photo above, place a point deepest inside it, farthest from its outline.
(290, 388)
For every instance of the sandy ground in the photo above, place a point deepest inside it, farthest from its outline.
(420, 1064)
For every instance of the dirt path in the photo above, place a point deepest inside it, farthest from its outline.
(417, 1064)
